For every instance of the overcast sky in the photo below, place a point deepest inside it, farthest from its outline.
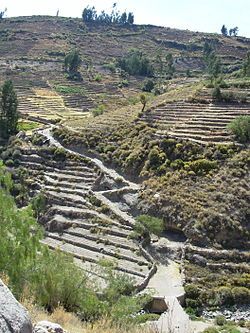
(197, 15)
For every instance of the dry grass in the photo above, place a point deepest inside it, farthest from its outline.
(72, 324)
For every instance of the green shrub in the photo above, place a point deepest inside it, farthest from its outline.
(136, 63)
(220, 320)
(224, 296)
(154, 225)
(98, 78)
(216, 94)
(240, 127)
(148, 86)
(211, 330)
(98, 111)
(123, 83)
(241, 295)
(201, 166)
(192, 291)
(38, 204)
(110, 66)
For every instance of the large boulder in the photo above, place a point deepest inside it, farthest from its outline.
(13, 316)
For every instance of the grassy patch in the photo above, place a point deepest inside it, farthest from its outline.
(68, 90)
(25, 125)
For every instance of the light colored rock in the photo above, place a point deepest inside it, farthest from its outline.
(13, 316)
(47, 327)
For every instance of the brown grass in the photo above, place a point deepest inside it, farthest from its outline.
(72, 324)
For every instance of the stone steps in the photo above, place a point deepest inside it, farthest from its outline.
(79, 214)
(102, 237)
(105, 248)
(95, 257)
(93, 224)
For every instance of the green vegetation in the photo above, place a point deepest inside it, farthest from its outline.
(72, 62)
(8, 111)
(211, 60)
(136, 63)
(27, 125)
(98, 111)
(170, 66)
(149, 225)
(240, 127)
(46, 276)
(148, 85)
(68, 90)
(246, 66)
(89, 15)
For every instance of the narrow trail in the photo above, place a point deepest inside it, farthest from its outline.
(166, 282)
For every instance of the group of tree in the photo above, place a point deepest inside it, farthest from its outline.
(212, 61)
(90, 14)
(231, 32)
(2, 13)
(8, 111)
(136, 63)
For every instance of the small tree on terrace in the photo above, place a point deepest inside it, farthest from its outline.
(224, 30)
(170, 65)
(72, 61)
(246, 66)
(8, 111)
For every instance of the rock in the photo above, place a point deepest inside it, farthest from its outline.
(21, 135)
(48, 327)
(13, 316)
(199, 260)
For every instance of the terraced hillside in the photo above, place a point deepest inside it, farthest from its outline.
(202, 123)
(82, 217)
(33, 50)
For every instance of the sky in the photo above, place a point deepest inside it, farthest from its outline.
(196, 15)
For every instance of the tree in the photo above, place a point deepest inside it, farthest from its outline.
(2, 13)
(234, 31)
(143, 101)
(212, 61)
(246, 66)
(72, 61)
(123, 18)
(8, 111)
(224, 30)
(89, 14)
(130, 18)
(170, 65)
(240, 127)
(136, 63)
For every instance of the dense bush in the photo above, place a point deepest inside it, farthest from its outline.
(240, 127)
(136, 63)
(200, 166)
(148, 86)
(152, 224)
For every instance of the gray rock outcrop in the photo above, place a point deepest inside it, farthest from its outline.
(13, 316)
